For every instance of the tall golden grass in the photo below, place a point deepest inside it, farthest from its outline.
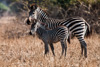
(28, 51)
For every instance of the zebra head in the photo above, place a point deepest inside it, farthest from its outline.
(36, 13)
(34, 27)
(37, 24)
(33, 13)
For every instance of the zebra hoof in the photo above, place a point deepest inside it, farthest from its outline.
(85, 56)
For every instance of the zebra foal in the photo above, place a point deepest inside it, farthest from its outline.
(77, 26)
(51, 36)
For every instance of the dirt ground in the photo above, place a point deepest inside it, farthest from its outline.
(21, 50)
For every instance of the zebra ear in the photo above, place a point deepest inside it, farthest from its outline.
(33, 7)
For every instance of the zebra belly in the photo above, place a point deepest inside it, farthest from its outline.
(54, 40)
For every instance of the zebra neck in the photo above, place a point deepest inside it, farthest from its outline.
(40, 31)
(41, 15)
(42, 19)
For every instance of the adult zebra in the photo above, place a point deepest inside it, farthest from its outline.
(77, 26)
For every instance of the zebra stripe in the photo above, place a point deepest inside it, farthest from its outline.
(51, 36)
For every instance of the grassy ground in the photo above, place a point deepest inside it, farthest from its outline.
(28, 51)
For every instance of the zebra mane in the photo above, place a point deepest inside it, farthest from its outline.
(39, 10)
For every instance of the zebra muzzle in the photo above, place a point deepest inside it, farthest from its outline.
(30, 33)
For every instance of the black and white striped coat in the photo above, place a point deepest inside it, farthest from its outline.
(51, 36)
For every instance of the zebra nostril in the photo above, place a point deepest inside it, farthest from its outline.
(30, 33)
(28, 22)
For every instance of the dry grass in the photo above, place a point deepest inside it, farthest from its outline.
(28, 51)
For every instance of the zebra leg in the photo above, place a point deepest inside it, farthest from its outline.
(84, 47)
(83, 44)
(52, 48)
(81, 49)
(63, 46)
(46, 48)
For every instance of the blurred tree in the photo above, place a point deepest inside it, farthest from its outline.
(63, 3)
(4, 7)
(22, 5)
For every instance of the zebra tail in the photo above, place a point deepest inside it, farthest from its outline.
(69, 39)
(89, 30)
